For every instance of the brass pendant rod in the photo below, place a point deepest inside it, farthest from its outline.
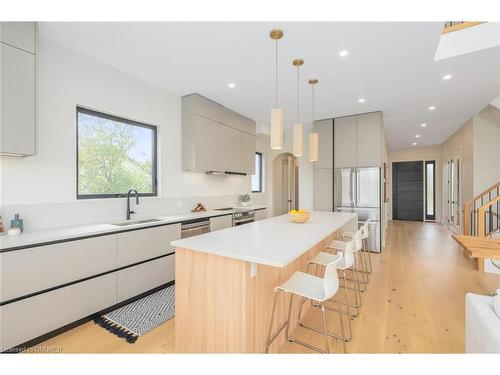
(298, 112)
(276, 74)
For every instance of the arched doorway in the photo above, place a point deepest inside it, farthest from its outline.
(285, 183)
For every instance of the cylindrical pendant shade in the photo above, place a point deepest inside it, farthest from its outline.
(298, 141)
(277, 128)
(313, 146)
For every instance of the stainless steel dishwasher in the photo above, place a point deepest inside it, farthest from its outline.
(195, 227)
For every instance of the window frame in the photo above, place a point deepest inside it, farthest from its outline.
(433, 216)
(154, 182)
(260, 173)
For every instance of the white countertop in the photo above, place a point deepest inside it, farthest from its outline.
(65, 233)
(275, 242)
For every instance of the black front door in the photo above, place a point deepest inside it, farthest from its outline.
(408, 190)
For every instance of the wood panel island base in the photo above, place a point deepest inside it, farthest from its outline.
(225, 280)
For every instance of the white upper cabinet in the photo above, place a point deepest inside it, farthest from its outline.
(19, 34)
(324, 128)
(215, 138)
(247, 143)
(358, 140)
(345, 142)
(229, 148)
(17, 88)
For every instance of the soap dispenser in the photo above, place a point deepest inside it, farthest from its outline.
(17, 223)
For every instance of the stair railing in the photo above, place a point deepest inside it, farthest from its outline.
(488, 218)
(470, 224)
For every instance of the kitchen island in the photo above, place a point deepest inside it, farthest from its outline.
(225, 280)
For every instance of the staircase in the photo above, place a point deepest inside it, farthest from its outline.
(451, 26)
(482, 220)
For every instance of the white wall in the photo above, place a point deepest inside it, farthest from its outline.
(486, 149)
(305, 168)
(43, 187)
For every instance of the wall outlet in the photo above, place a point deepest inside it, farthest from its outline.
(253, 269)
(180, 204)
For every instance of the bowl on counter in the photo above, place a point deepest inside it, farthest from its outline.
(299, 216)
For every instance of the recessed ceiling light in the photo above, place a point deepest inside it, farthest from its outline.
(361, 100)
(231, 85)
(432, 108)
(423, 125)
(417, 136)
(414, 143)
(343, 53)
(447, 76)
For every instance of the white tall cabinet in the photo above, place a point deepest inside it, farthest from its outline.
(347, 142)
(323, 168)
(18, 88)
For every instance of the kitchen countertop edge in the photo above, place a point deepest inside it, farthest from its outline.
(113, 229)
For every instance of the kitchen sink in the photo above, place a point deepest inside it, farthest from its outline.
(135, 222)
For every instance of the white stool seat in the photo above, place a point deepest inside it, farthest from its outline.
(336, 244)
(323, 259)
(305, 285)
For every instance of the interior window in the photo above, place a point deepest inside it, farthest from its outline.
(114, 155)
(257, 177)
(430, 194)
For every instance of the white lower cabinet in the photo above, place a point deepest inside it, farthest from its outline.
(260, 214)
(146, 276)
(220, 222)
(139, 245)
(32, 270)
(26, 319)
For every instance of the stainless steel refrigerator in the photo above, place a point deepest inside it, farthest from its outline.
(358, 190)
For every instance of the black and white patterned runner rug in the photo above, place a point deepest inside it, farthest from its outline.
(139, 317)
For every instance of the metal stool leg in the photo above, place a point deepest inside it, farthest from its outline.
(269, 340)
(327, 346)
(365, 241)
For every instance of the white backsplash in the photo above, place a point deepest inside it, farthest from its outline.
(53, 215)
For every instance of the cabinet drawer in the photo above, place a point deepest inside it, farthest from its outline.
(144, 244)
(146, 276)
(31, 270)
(220, 222)
(29, 318)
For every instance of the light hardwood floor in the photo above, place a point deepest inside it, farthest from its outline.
(414, 303)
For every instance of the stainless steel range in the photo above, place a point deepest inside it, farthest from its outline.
(240, 215)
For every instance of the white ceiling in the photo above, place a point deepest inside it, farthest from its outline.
(390, 64)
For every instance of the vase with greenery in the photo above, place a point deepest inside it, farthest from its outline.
(244, 199)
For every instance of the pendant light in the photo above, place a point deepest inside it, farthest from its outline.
(298, 129)
(313, 137)
(277, 113)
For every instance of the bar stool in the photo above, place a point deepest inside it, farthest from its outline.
(339, 245)
(357, 236)
(347, 262)
(313, 288)
(365, 233)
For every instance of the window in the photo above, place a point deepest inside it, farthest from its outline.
(114, 155)
(430, 193)
(257, 177)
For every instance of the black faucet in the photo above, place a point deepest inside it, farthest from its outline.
(128, 201)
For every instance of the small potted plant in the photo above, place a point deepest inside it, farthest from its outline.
(244, 199)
